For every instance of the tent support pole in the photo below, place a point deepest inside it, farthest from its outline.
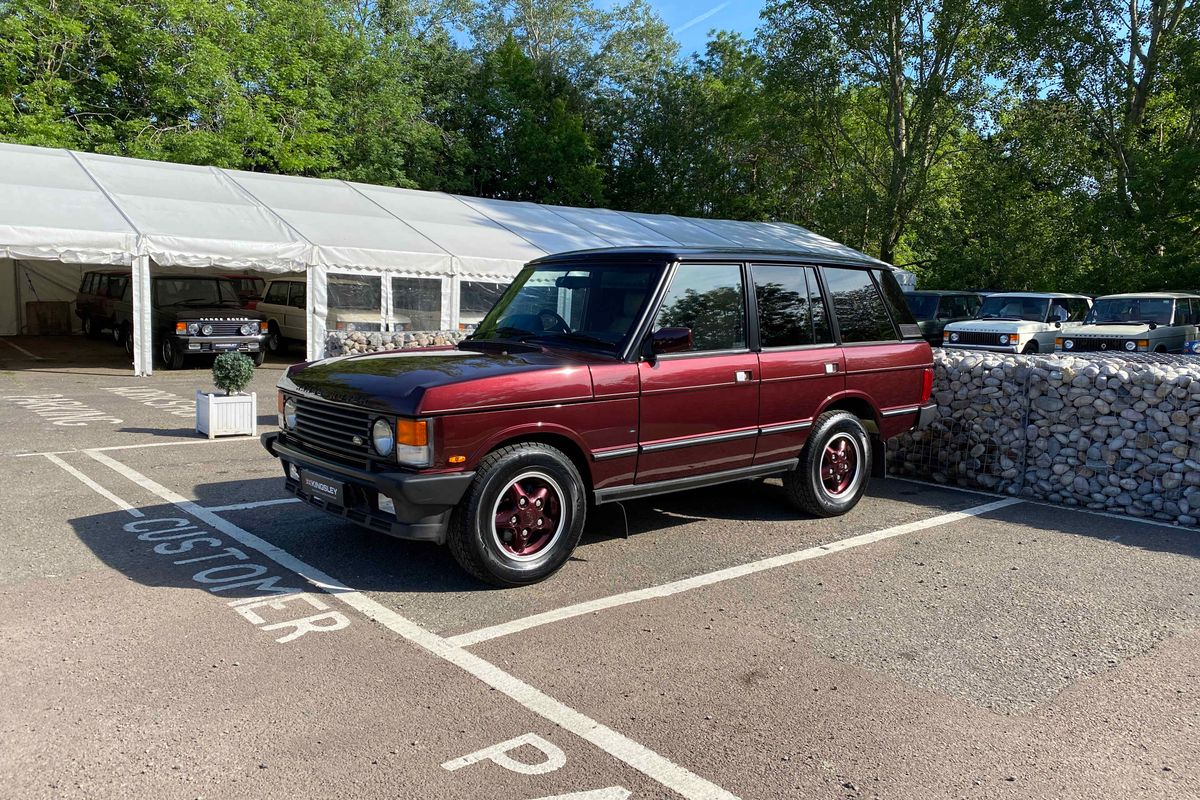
(143, 351)
(316, 281)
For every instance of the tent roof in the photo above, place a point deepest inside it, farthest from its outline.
(89, 208)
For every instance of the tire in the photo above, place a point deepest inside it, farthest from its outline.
(259, 357)
(510, 481)
(1031, 348)
(169, 354)
(126, 339)
(821, 485)
(275, 341)
(90, 330)
(118, 334)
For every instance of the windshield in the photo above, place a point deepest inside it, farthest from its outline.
(1028, 308)
(1131, 309)
(593, 306)
(923, 306)
(354, 295)
(194, 291)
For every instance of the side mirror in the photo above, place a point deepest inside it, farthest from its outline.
(1057, 324)
(670, 340)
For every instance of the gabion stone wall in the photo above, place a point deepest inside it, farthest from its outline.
(1113, 433)
(342, 343)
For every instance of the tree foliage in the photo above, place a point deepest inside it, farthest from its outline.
(1050, 144)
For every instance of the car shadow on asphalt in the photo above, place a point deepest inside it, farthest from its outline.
(1125, 531)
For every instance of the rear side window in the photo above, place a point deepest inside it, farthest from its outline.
(85, 285)
(708, 299)
(791, 312)
(298, 295)
(858, 305)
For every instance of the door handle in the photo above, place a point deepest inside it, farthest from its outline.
(741, 376)
(832, 367)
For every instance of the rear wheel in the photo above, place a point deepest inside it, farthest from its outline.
(834, 466)
(89, 327)
(522, 516)
(125, 339)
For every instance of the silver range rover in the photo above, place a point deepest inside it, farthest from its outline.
(1018, 322)
(1149, 322)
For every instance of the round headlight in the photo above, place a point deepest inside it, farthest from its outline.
(383, 437)
(1004, 338)
(289, 413)
(1131, 346)
(1068, 344)
(193, 328)
(206, 329)
(954, 337)
(249, 329)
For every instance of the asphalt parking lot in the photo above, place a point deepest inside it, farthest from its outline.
(175, 626)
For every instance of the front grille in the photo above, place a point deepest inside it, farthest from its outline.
(332, 427)
(225, 328)
(975, 337)
(1098, 343)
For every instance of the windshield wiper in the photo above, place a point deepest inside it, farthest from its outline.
(580, 336)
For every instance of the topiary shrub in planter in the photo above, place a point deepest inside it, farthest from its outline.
(234, 414)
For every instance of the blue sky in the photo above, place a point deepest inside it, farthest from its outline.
(691, 20)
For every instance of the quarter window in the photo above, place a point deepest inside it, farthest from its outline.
(860, 312)
(709, 299)
(791, 312)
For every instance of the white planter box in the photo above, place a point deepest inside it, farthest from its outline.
(226, 415)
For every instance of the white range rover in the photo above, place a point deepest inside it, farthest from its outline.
(1019, 322)
(1149, 322)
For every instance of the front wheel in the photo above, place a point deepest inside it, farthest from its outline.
(1031, 348)
(834, 466)
(171, 357)
(259, 357)
(522, 516)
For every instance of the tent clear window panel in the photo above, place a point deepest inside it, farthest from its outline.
(476, 298)
(355, 303)
(417, 304)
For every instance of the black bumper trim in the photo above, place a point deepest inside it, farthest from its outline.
(928, 413)
(423, 502)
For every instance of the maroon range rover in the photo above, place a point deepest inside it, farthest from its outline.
(604, 375)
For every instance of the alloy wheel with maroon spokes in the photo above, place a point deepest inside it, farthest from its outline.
(528, 516)
(839, 465)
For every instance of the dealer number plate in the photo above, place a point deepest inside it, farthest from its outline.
(322, 487)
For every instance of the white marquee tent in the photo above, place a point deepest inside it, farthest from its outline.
(60, 208)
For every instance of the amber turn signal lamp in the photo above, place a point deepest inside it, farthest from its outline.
(181, 328)
(457, 459)
(279, 403)
(1058, 342)
(1143, 342)
(413, 432)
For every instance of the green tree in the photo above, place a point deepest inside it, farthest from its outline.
(920, 66)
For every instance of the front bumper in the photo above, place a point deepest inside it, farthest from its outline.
(423, 502)
(220, 344)
(991, 348)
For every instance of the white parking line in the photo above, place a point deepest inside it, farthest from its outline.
(97, 488)
(708, 579)
(135, 446)
(644, 760)
(1043, 504)
(248, 506)
(16, 346)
